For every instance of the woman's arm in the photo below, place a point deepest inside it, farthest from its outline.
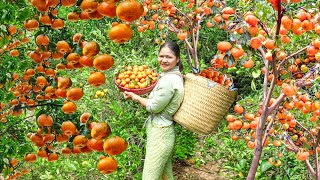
(135, 97)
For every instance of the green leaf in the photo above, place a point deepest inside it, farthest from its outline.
(231, 61)
(285, 76)
(265, 165)
(1, 164)
(256, 73)
(243, 163)
(253, 85)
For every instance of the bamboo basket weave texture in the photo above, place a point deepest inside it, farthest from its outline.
(204, 105)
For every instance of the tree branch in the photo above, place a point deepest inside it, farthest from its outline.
(264, 27)
(316, 155)
(288, 57)
(266, 66)
(183, 14)
(295, 149)
(277, 102)
(305, 129)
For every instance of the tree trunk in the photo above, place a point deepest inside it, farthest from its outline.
(258, 144)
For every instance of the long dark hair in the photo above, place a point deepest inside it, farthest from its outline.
(174, 47)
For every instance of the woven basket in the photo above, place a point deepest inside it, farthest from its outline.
(137, 91)
(204, 105)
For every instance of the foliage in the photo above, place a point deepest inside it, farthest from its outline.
(126, 118)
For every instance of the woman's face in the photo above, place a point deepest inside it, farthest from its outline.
(167, 60)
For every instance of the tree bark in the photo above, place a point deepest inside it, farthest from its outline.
(258, 146)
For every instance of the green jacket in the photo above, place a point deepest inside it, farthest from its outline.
(166, 98)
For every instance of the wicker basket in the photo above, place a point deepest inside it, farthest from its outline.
(204, 105)
(137, 91)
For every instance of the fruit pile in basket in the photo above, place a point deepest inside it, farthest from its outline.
(138, 79)
(213, 75)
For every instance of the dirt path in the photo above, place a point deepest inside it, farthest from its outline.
(186, 171)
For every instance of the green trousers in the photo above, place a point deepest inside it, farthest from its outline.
(159, 152)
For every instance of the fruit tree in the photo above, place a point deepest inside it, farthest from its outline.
(275, 42)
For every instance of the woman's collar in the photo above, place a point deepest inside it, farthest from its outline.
(173, 70)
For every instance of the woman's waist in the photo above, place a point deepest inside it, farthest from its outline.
(161, 119)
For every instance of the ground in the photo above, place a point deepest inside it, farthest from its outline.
(183, 170)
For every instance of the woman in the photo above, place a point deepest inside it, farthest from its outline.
(162, 103)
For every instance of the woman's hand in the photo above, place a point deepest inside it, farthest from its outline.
(135, 97)
(129, 95)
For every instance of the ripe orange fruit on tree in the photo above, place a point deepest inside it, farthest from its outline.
(53, 157)
(269, 44)
(30, 158)
(107, 165)
(61, 138)
(63, 47)
(14, 53)
(107, 9)
(129, 10)
(80, 141)
(237, 124)
(96, 79)
(45, 19)
(84, 15)
(286, 22)
(68, 3)
(89, 5)
(84, 117)
(45, 120)
(302, 156)
(57, 24)
(228, 10)
(66, 151)
(224, 46)
(249, 63)
(37, 139)
(12, 29)
(68, 128)
(49, 90)
(237, 52)
(42, 153)
(76, 150)
(90, 49)
(230, 118)
(95, 15)
(238, 109)
(251, 20)
(276, 143)
(255, 43)
(74, 94)
(69, 107)
(120, 33)
(86, 61)
(42, 40)
(100, 130)
(249, 116)
(95, 144)
(64, 82)
(41, 81)
(31, 24)
(76, 38)
(115, 145)
(57, 55)
(73, 16)
(13, 162)
(250, 144)
(86, 149)
(103, 62)
(296, 24)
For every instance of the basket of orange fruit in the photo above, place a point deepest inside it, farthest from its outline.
(207, 99)
(137, 79)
